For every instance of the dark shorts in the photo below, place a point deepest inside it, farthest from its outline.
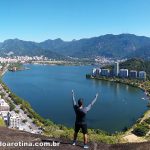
(81, 126)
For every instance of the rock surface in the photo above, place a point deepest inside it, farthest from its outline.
(10, 135)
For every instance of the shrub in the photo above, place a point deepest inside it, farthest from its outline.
(141, 129)
(47, 122)
(12, 106)
(147, 120)
(30, 116)
(125, 129)
(24, 121)
(17, 111)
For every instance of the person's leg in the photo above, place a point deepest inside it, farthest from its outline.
(85, 136)
(75, 136)
(85, 141)
(76, 130)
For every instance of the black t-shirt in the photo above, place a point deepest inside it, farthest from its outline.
(80, 114)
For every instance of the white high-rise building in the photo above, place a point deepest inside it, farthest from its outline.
(142, 74)
(105, 72)
(116, 68)
(14, 120)
(133, 74)
(96, 71)
(123, 73)
(3, 105)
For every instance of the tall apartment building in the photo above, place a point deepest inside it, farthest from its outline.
(14, 120)
(116, 69)
(123, 73)
(133, 74)
(3, 105)
(105, 72)
(142, 74)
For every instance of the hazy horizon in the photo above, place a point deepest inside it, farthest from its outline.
(72, 39)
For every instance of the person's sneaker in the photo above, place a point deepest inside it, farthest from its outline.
(74, 143)
(85, 146)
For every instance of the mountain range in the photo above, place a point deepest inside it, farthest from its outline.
(116, 46)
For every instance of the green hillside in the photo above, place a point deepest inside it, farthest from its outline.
(116, 46)
(135, 64)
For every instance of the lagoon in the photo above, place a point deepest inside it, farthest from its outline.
(48, 90)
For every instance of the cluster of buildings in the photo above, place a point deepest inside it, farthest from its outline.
(11, 118)
(15, 118)
(117, 72)
(22, 59)
(105, 60)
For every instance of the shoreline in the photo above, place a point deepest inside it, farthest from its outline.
(59, 130)
(122, 81)
(141, 119)
(64, 63)
(93, 131)
(3, 73)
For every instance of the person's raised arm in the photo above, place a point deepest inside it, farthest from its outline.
(73, 99)
(92, 103)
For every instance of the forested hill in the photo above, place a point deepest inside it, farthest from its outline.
(117, 46)
(134, 64)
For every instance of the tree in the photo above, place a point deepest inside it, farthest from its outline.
(141, 129)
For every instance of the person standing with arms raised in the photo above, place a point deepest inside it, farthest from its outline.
(81, 122)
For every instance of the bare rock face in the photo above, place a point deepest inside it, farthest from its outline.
(10, 135)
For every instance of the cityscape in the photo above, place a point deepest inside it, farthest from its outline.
(117, 72)
(22, 59)
(15, 118)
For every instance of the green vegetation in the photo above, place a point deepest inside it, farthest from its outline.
(135, 64)
(94, 135)
(18, 66)
(2, 95)
(116, 46)
(17, 111)
(147, 121)
(2, 123)
(141, 129)
(12, 106)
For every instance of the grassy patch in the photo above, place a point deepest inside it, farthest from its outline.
(141, 129)
(2, 123)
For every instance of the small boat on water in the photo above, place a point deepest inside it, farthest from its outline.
(145, 98)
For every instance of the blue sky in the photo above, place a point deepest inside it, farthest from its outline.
(38, 20)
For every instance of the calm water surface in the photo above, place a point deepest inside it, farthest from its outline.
(48, 90)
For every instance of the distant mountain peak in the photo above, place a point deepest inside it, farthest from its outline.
(58, 39)
(109, 45)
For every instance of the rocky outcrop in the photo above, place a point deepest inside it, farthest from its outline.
(10, 135)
